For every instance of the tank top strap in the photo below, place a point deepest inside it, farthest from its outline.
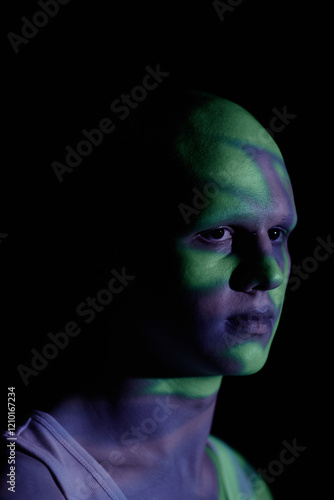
(77, 473)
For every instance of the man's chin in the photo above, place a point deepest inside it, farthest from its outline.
(244, 359)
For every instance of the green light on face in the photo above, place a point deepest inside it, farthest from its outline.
(248, 357)
(235, 202)
(202, 269)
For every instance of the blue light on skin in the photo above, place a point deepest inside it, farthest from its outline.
(235, 257)
(232, 267)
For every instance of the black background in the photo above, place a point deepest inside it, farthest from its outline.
(263, 55)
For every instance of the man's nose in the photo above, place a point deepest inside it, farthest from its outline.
(258, 269)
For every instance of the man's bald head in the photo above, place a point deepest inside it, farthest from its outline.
(181, 142)
(203, 119)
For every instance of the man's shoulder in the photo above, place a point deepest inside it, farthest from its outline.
(238, 475)
(29, 479)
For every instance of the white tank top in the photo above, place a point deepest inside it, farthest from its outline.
(80, 477)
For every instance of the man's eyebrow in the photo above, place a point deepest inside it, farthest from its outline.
(289, 219)
(200, 222)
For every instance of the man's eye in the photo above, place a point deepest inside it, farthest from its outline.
(276, 234)
(217, 235)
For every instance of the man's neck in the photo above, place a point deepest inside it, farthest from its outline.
(150, 424)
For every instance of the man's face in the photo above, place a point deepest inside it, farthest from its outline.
(233, 255)
(230, 264)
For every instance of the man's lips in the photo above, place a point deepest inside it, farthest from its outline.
(250, 323)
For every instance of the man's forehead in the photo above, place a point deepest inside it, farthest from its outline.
(253, 182)
(244, 166)
(236, 164)
(220, 136)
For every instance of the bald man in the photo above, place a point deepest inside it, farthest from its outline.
(209, 216)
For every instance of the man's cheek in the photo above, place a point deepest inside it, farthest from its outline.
(203, 269)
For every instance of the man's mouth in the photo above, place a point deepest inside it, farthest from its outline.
(250, 323)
